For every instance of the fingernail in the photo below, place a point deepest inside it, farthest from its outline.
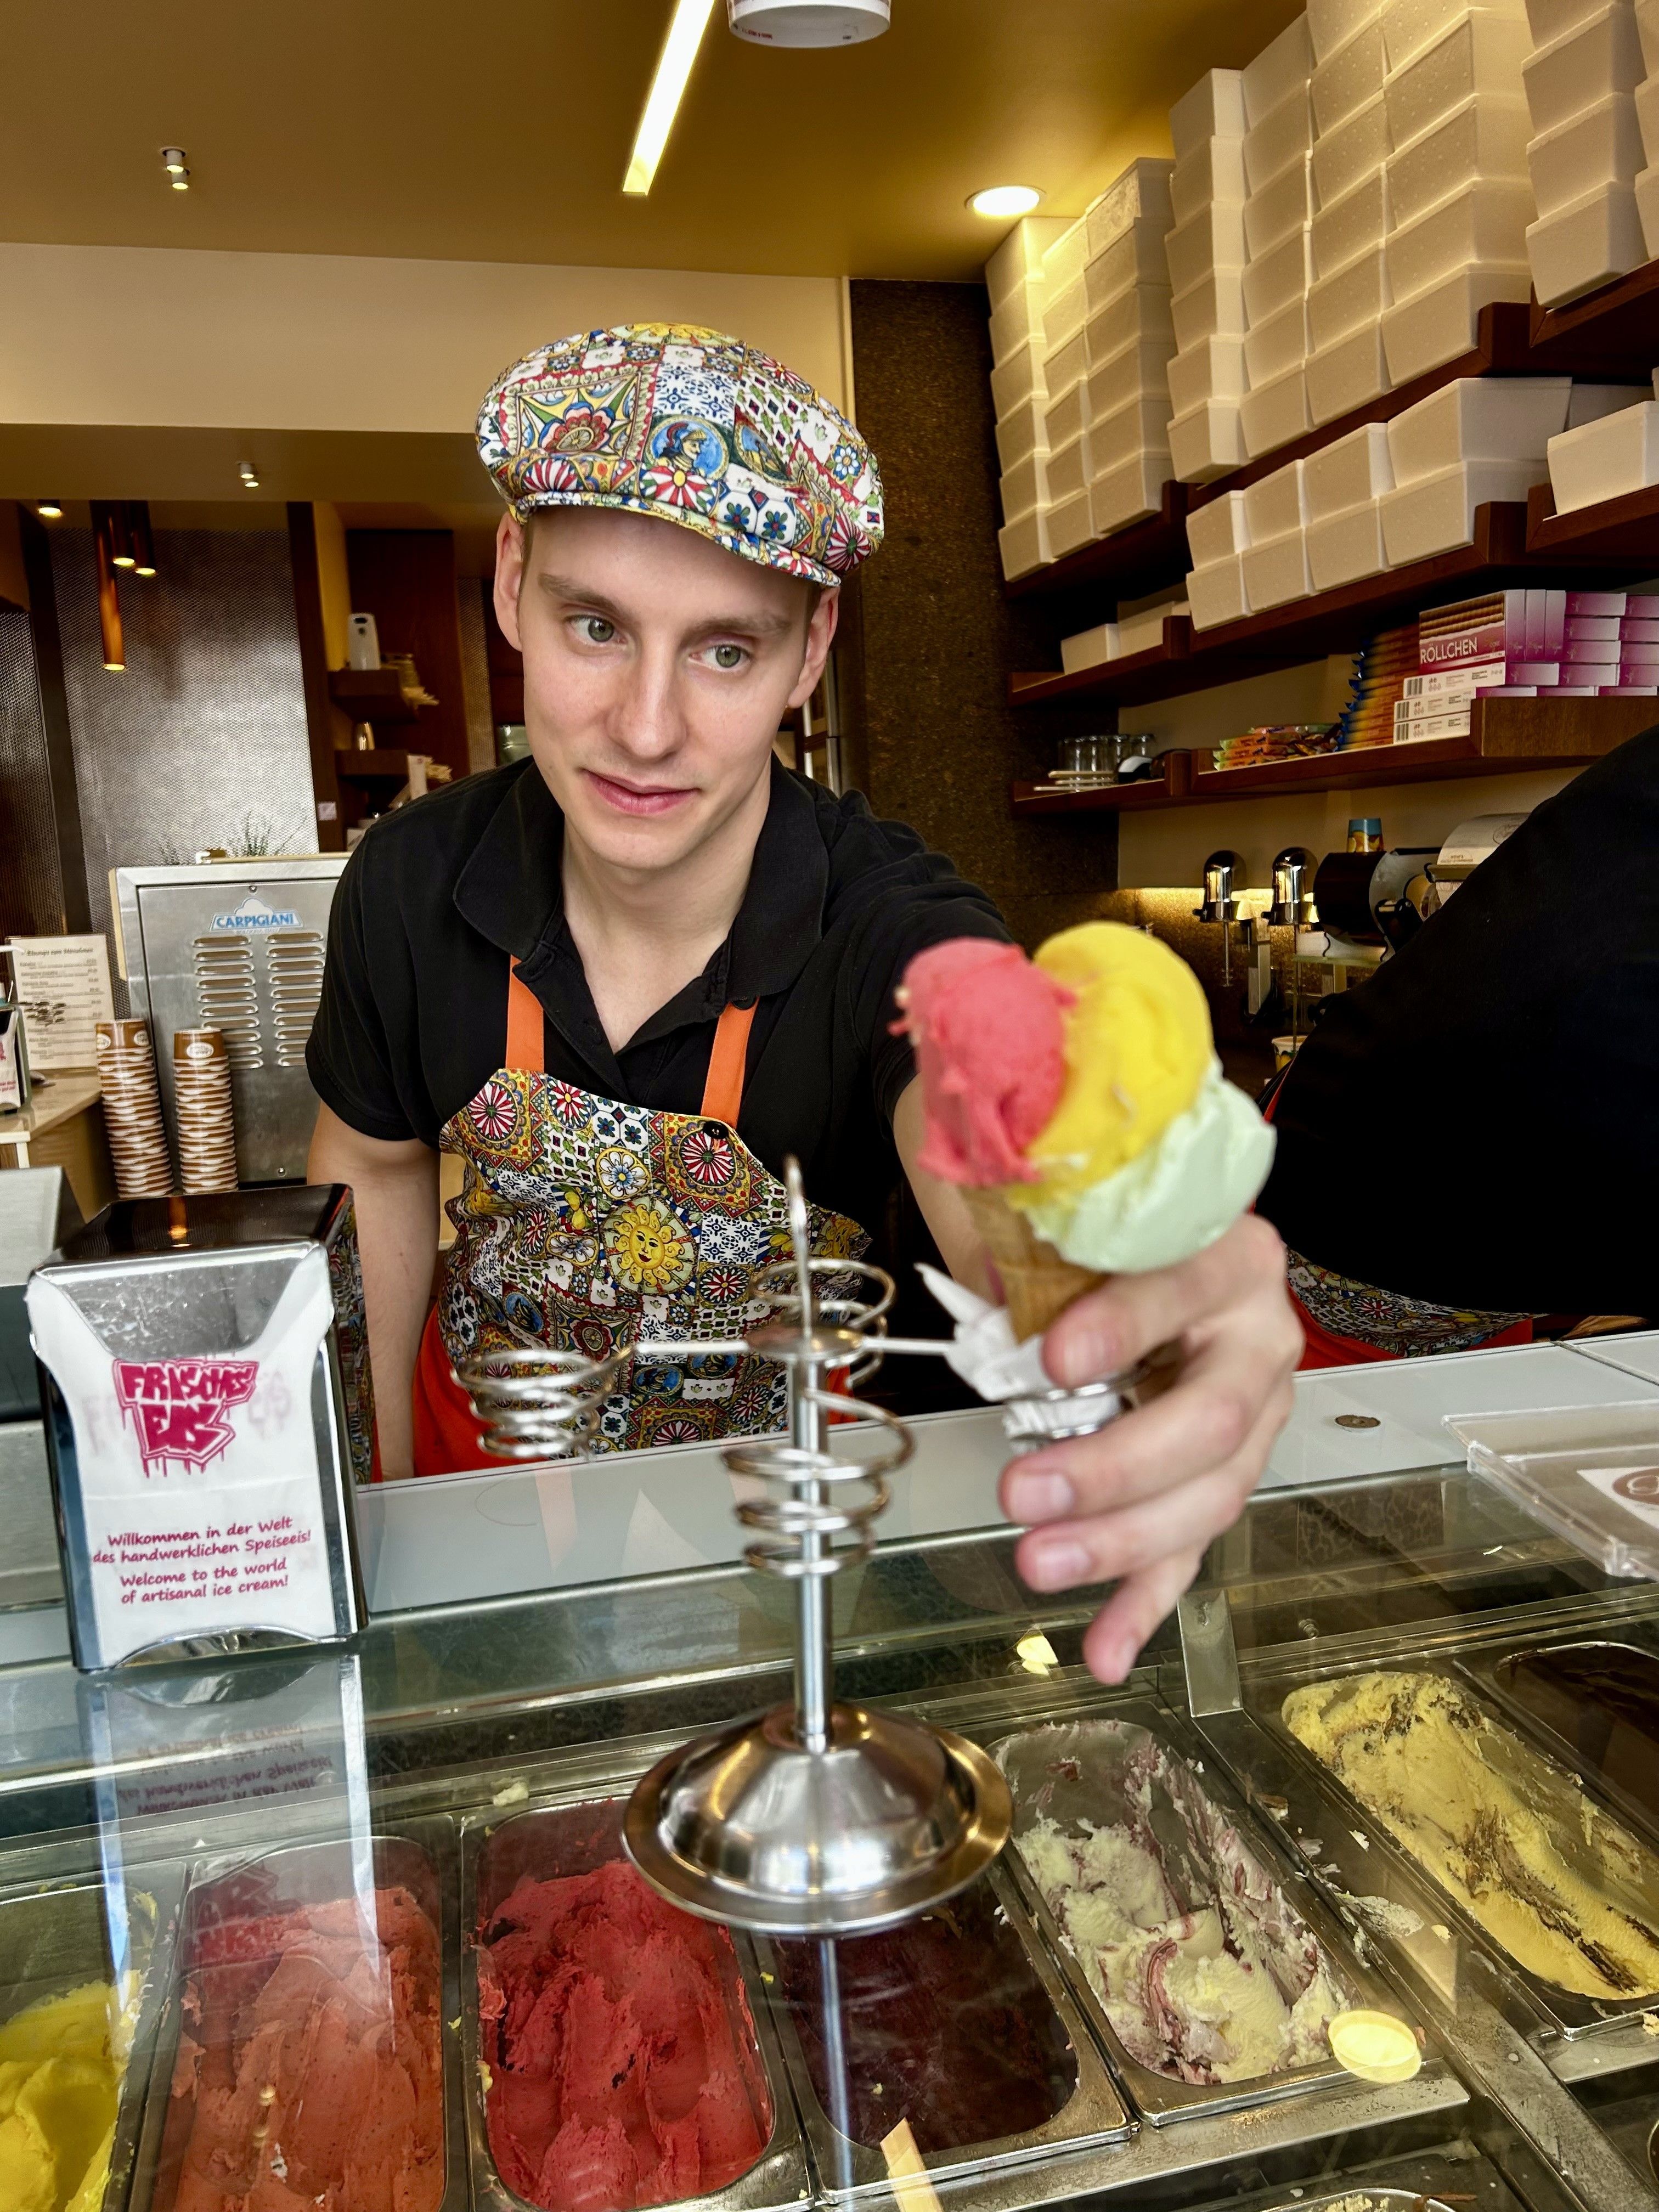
(1057, 1566)
(1038, 1496)
(1118, 1660)
(1084, 1357)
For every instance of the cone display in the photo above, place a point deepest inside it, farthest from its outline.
(1037, 1283)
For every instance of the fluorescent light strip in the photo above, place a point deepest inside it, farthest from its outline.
(667, 88)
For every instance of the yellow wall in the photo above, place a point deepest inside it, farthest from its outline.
(154, 336)
(334, 583)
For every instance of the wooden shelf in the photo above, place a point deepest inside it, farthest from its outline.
(1625, 528)
(370, 695)
(1610, 335)
(1507, 737)
(1126, 564)
(1148, 555)
(1332, 621)
(384, 764)
(1166, 790)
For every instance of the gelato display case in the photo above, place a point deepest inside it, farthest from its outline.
(357, 1928)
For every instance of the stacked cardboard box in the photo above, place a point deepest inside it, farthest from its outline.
(1346, 365)
(1014, 279)
(1129, 338)
(1647, 118)
(1277, 235)
(1585, 154)
(1207, 254)
(1609, 448)
(1459, 201)
(1475, 439)
(1513, 644)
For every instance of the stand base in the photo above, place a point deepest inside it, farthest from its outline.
(748, 1826)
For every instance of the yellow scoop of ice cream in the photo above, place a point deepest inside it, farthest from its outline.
(58, 2084)
(1138, 1045)
(1151, 1153)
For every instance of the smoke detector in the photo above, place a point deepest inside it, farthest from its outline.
(809, 22)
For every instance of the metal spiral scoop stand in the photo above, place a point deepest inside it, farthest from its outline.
(820, 1817)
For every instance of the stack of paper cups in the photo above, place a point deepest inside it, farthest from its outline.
(201, 1098)
(132, 1110)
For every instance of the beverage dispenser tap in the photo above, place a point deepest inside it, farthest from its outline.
(1292, 908)
(1224, 877)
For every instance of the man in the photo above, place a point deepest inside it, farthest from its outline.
(1465, 1141)
(625, 978)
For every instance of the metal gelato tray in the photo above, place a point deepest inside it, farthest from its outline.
(1077, 1772)
(1620, 1761)
(549, 1842)
(418, 1855)
(1026, 1998)
(1358, 1852)
(54, 1940)
(1437, 2182)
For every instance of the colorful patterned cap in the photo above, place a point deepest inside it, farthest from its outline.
(670, 420)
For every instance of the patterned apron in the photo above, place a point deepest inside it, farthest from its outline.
(584, 1223)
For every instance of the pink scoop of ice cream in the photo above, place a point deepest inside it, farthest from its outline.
(990, 1052)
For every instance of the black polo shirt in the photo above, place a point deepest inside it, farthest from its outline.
(413, 1018)
(1478, 1123)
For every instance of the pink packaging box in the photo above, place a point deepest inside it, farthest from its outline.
(1593, 629)
(1596, 602)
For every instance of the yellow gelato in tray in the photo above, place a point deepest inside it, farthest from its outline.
(1570, 1895)
(59, 2082)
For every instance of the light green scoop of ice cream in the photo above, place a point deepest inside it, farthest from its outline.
(1173, 1199)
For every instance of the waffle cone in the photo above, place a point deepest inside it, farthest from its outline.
(1037, 1283)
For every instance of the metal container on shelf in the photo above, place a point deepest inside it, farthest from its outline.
(1075, 1772)
(1088, 2112)
(417, 1855)
(551, 1841)
(1363, 1857)
(54, 1938)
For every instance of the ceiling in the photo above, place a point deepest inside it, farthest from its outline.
(420, 128)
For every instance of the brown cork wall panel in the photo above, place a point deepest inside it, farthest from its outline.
(934, 741)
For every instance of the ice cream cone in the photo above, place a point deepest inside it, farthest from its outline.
(1037, 1283)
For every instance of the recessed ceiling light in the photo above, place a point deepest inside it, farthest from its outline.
(250, 477)
(1002, 203)
(176, 167)
(49, 510)
(667, 87)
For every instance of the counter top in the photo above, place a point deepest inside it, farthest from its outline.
(57, 1099)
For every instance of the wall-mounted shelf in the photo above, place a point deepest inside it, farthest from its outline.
(384, 764)
(1166, 790)
(1330, 622)
(1507, 737)
(1150, 555)
(1611, 334)
(1622, 529)
(370, 695)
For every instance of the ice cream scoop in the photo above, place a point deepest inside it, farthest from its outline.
(622, 2064)
(1532, 1860)
(311, 2069)
(1138, 1154)
(59, 2079)
(990, 1053)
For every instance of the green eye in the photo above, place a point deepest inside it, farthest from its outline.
(595, 629)
(729, 656)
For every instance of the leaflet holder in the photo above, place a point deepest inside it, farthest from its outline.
(204, 1373)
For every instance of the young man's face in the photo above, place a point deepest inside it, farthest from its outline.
(657, 668)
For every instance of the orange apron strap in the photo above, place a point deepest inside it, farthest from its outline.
(722, 1095)
(527, 1045)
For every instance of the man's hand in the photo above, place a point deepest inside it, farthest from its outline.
(1140, 1501)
